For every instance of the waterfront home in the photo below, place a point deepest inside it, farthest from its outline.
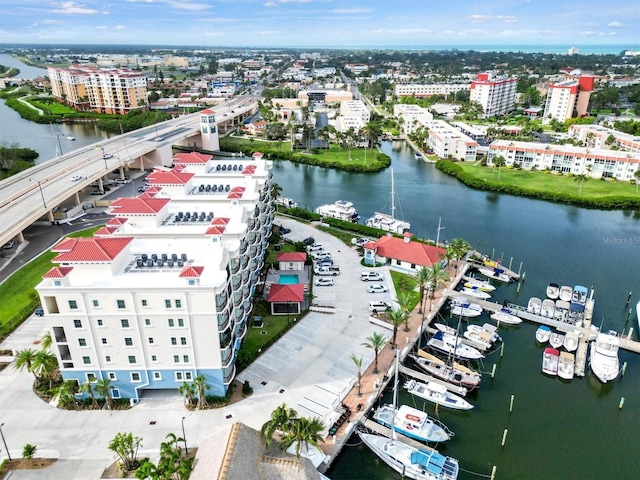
(402, 254)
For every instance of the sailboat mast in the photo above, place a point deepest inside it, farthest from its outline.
(393, 196)
(395, 399)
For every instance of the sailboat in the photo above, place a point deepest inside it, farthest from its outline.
(386, 222)
(455, 373)
(638, 313)
(410, 462)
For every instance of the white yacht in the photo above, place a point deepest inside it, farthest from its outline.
(438, 394)
(388, 222)
(604, 356)
(450, 344)
(342, 210)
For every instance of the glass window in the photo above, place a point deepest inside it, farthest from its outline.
(100, 322)
(57, 283)
(86, 360)
(179, 376)
(121, 304)
(104, 340)
(171, 323)
(82, 342)
(147, 322)
(174, 341)
(135, 377)
(191, 282)
(124, 322)
(185, 358)
(167, 303)
(128, 342)
(181, 322)
(95, 303)
(91, 377)
(77, 323)
(154, 358)
(144, 303)
(107, 358)
(157, 376)
(176, 359)
(73, 305)
(178, 303)
(150, 340)
(183, 340)
(187, 376)
(115, 393)
(132, 359)
(112, 376)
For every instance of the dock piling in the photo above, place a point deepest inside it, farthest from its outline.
(504, 436)
(519, 268)
(511, 403)
(501, 349)
(621, 404)
(624, 368)
(510, 262)
(493, 472)
(493, 371)
(629, 297)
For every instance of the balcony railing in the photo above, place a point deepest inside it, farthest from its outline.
(229, 374)
(226, 356)
(223, 320)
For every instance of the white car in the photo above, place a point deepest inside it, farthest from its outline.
(377, 289)
(76, 178)
(321, 255)
(359, 242)
(107, 156)
(316, 247)
(371, 277)
(323, 282)
(378, 306)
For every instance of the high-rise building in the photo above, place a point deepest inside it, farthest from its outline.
(497, 95)
(113, 90)
(568, 99)
(162, 293)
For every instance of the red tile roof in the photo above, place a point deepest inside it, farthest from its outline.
(90, 249)
(105, 231)
(191, 157)
(172, 177)
(220, 221)
(238, 189)
(258, 155)
(208, 111)
(141, 204)
(191, 272)
(215, 230)
(249, 170)
(117, 221)
(411, 252)
(58, 272)
(235, 195)
(292, 257)
(284, 293)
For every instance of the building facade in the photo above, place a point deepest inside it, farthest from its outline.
(568, 99)
(597, 136)
(413, 116)
(115, 91)
(428, 89)
(162, 294)
(449, 142)
(497, 95)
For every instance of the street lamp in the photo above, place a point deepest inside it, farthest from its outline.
(184, 437)
(41, 193)
(104, 157)
(4, 441)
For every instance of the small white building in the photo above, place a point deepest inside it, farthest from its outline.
(445, 141)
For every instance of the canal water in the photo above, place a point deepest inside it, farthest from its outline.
(556, 430)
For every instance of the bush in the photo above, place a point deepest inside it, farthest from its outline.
(246, 389)
(28, 451)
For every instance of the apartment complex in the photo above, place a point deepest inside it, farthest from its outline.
(162, 293)
(413, 116)
(446, 141)
(428, 89)
(497, 95)
(353, 114)
(568, 99)
(597, 136)
(101, 90)
(597, 163)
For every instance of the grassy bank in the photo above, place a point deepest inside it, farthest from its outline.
(545, 185)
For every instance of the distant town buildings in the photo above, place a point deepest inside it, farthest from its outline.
(568, 99)
(598, 136)
(497, 95)
(101, 90)
(428, 89)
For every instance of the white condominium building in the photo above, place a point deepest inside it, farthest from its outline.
(497, 95)
(101, 90)
(162, 293)
(597, 163)
(568, 99)
(428, 89)
(353, 114)
(413, 116)
(596, 136)
(446, 141)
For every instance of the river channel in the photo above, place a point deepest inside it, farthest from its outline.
(557, 430)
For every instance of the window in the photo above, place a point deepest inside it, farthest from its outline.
(135, 377)
(171, 323)
(167, 303)
(154, 358)
(128, 342)
(132, 359)
(73, 305)
(147, 322)
(107, 358)
(103, 340)
(82, 342)
(176, 359)
(144, 303)
(86, 360)
(124, 322)
(187, 376)
(100, 322)
(157, 376)
(95, 303)
(77, 324)
(112, 376)
(57, 283)
(115, 393)
(185, 358)
(183, 340)
(91, 377)
(191, 282)
(174, 341)
(121, 304)
(150, 341)
(181, 322)
(179, 376)
(178, 303)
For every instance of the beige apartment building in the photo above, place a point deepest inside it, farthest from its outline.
(568, 99)
(497, 95)
(112, 90)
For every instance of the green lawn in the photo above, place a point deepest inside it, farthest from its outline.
(406, 283)
(540, 181)
(273, 325)
(51, 108)
(242, 142)
(19, 298)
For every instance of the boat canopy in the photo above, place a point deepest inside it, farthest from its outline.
(432, 461)
(576, 307)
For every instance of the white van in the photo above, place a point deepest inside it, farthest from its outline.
(378, 306)
(333, 270)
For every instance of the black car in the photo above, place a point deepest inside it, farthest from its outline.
(39, 312)
(309, 241)
(284, 230)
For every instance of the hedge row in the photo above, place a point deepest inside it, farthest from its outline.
(617, 203)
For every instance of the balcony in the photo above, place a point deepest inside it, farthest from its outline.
(235, 265)
(226, 356)
(229, 374)
(223, 320)
(221, 301)
(241, 331)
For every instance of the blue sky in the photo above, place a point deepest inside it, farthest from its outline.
(323, 23)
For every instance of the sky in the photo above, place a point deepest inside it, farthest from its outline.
(322, 23)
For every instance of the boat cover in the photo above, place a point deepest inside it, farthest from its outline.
(576, 307)
(432, 461)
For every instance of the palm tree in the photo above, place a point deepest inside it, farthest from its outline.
(375, 341)
(66, 392)
(24, 359)
(581, 179)
(460, 247)
(188, 390)
(276, 190)
(397, 318)
(437, 275)
(282, 419)
(422, 276)
(44, 365)
(304, 432)
(358, 363)
(200, 382)
(46, 340)
(636, 175)
(404, 302)
(103, 388)
(499, 161)
(87, 387)
(449, 256)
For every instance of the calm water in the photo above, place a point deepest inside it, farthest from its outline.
(557, 430)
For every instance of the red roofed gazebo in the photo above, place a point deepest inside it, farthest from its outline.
(286, 299)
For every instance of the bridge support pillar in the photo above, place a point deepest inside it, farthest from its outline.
(50, 216)
(20, 236)
(77, 198)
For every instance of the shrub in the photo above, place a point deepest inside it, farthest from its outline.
(246, 389)
(28, 451)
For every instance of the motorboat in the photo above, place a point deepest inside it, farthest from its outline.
(566, 365)
(534, 306)
(413, 423)
(571, 340)
(445, 328)
(71, 137)
(493, 330)
(548, 308)
(476, 292)
(579, 295)
(462, 307)
(409, 461)
(565, 293)
(453, 373)
(505, 316)
(556, 339)
(550, 361)
(341, 210)
(604, 356)
(285, 202)
(388, 222)
(553, 291)
(478, 336)
(452, 345)
(438, 394)
(561, 311)
(495, 273)
(543, 333)
(471, 282)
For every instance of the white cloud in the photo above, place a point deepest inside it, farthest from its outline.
(479, 18)
(613, 33)
(101, 27)
(591, 25)
(591, 33)
(615, 24)
(403, 31)
(120, 27)
(270, 4)
(507, 18)
(476, 18)
(75, 9)
(346, 11)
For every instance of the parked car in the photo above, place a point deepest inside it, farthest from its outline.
(121, 181)
(39, 312)
(144, 188)
(309, 241)
(371, 277)
(323, 282)
(326, 271)
(159, 139)
(9, 244)
(321, 254)
(324, 262)
(284, 230)
(76, 178)
(107, 156)
(359, 242)
(377, 289)
(96, 192)
(379, 306)
(316, 247)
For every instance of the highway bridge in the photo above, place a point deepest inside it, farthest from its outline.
(33, 194)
